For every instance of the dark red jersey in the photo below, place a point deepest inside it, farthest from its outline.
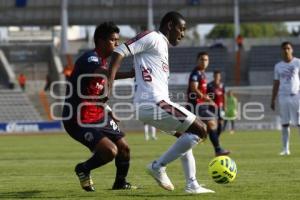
(87, 81)
(201, 79)
(216, 93)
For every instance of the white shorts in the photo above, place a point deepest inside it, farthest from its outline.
(165, 115)
(289, 109)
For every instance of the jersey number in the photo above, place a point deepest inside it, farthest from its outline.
(114, 125)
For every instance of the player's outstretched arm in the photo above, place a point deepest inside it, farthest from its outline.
(123, 75)
(114, 66)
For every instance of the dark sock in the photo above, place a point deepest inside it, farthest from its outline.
(224, 126)
(94, 162)
(219, 130)
(122, 166)
(214, 138)
(232, 125)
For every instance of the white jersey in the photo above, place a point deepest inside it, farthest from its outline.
(288, 76)
(151, 63)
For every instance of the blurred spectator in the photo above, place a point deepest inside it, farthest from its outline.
(240, 41)
(230, 110)
(153, 132)
(68, 71)
(22, 81)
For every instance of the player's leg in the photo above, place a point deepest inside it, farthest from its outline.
(214, 138)
(146, 131)
(122, 163)
(225, 124)
(153, 133)
(195, 129)
(104, 152)
(219, 129)
(210, 119)
(285, 139)
(103, 149)
(232, 127)
(220, 121)
(286, 113)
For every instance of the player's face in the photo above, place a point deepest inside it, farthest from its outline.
(217, 77)
(203, 62)
(287, 52)
(177, 32)
(111, 43)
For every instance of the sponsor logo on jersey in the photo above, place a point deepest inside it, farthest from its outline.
(93, 59)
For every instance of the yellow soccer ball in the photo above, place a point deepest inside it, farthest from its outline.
(222, 169)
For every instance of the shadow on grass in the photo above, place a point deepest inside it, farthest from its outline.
(20, 194)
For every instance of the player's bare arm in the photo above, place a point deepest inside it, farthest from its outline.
(194, 88)
(124, 75)
(276, 84)
(114, 66)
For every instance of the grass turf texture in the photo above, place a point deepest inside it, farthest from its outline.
(41, 167)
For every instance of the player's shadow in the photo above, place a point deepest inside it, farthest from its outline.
(19, 194)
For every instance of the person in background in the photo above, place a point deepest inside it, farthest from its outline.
(22, 81)
(200, 101)
(240, 41)
(230, 110)
(216, 91)
(286, 86)
(153, 132)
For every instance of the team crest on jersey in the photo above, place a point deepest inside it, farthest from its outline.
(93, 59)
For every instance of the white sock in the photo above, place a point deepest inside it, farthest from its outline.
(153, 129)
(146, 129)
(181, 146)
(189, 166)
(286, 138)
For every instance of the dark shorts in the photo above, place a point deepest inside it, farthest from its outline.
(204, 113)
(90, 136)
(219, 112)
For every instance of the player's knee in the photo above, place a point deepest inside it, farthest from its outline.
(110, 153)
(211, 125)
(198, 128)
(125, 152)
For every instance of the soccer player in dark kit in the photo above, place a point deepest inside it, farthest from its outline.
(216, 91)
(200, 101)
(88, 119)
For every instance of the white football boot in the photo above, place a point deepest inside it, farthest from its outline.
(160, 176)
(194, 188)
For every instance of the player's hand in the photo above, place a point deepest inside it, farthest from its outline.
(273, 105)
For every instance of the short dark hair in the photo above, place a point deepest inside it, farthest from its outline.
(217, 72)
(172, 16)
(202, 53)
(286, 43)
(104, 30)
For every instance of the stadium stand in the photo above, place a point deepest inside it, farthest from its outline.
(16, 106)
(261, 61)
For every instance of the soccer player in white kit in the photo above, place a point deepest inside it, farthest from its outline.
(152, 102)
(287, 85)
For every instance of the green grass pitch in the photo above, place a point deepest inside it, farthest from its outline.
(41, 167)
